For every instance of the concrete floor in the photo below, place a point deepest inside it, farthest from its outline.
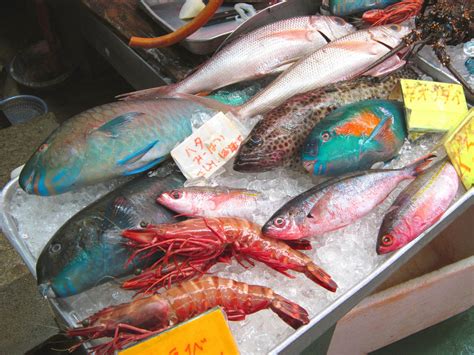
(26, 317)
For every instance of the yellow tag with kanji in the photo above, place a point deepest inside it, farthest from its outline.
(459, 145)
(207, 333)
(431, 106)
(209, 147)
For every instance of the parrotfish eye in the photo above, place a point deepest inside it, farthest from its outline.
(176, 194)
(325, 136)
(43, 147)
(54, 248)
(279, 222)
(254, 141)
(387, 240)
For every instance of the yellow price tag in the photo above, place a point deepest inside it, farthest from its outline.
(207, 333)
(432, 106)
(459, 145)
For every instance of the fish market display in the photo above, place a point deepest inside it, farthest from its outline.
(88, 250)
(203, 239)
(204, 201)
(137, 320)
(342, 59)
(337, 202)
(277, 139)
(354, 137)
(418, 207)
(120, 138)
(267, 50)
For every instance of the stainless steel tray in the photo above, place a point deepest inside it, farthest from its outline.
(207, 39)
(73, 309)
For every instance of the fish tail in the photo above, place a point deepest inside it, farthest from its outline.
(291, 313)
(150, 94)
(420, 165)
(205, 101)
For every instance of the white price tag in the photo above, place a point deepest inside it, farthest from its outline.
(209, 147)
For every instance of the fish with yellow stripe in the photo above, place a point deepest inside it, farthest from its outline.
(354, 137)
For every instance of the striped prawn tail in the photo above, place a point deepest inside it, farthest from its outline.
(291, 313)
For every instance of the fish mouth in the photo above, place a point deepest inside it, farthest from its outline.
(33, 181)
(252, 164)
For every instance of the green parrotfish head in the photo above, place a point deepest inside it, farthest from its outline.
(354, 137)
(54, 167)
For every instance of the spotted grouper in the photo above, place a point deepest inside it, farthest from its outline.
(278, 138)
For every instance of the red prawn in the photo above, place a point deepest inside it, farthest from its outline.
(205, 241)
(143, 317)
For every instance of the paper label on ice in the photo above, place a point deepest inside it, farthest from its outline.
(432, 106)
(207, 333)
(209, 147)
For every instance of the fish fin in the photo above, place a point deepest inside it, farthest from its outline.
(203, 93)
(131, 158)
(384, 124)
(113, 127)
(205, 101)
(281, 67)
(120, 214)
(386, 67)
(420, 165)
(149, 94)
(299, 244)
(145, 167)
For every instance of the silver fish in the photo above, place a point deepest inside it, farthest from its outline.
(267, 50)
(342, 59)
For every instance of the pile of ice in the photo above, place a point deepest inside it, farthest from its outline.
(348, 254)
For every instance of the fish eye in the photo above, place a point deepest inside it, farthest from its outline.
(43, 147)
(54, 248)
(279, 222)
(325, 136)
(387, 240)
(176, 194)
(254, 141)
(339, 20)
(395, 27)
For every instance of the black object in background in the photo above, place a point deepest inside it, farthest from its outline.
(57, 345)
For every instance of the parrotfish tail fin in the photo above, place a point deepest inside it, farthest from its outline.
(291, 313)
(321, 277)
(150, 94)
(299, 244)
(420, 165)
(208, 102)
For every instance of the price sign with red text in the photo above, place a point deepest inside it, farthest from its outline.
(431, 106)
(207, 333)
(209, 147)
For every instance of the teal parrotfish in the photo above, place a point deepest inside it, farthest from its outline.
(354, 137)
(115, 139)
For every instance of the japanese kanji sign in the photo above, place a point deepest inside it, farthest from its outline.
(460, 148)
(432, 106)
(207, 333)
(208, 148)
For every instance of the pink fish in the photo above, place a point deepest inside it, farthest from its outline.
(418, 207)
(204, 201)
(267, 50)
